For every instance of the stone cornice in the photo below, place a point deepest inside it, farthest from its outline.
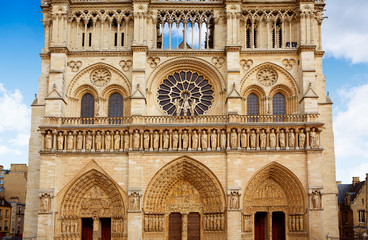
(186, 53)
(269, 52)
(139, 49)
(233, 48)
(307, 48)
(58, 50)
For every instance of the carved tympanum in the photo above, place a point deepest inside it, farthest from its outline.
(267, 77)
(100, 77)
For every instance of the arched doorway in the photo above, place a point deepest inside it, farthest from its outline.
(92, 208)
(184, 200)
(274, 204)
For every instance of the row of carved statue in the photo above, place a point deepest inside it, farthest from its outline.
(154, 222)
(214, 222)
(196, 139)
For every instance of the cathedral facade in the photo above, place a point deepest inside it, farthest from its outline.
(173, 119)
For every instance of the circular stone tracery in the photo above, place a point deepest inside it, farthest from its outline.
(185, 93)
(267, 77)
(100, 77)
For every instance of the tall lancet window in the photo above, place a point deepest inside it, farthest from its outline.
(116, 105)
(252, 105)
(87, 106)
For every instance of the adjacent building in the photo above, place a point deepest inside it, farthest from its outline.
(353, 208)
(5, 217)
(167, 119)
(15, 183)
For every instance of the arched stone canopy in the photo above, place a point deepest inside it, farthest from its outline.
(192, 171)
(108, 203)
(284, 191)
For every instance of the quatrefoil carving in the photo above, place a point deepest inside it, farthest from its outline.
(153, 61)
(289, 63)
(246, 64)
(218, 61)
(75, 65)
(126, 64)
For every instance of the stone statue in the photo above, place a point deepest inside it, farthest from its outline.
(316, 203)
(214, 139)
(195, 140)
(70, 141)
(116, 141)
(263, 139)
(136, 139)
(107, 141)
(156, 140)
(48, 141)
(233, 139)
(60, 141)
(272, 139)
(313, 139)
(135, 201)
(302, 139)
(185, 139)
(192, 107)
(282, 139)
(166, 138)
(234, 200)
(291, 139)
(186, 105)
(175, 139)
(253, 140)
(204, 140)
(98, 141)
(79, 141)
(223, 139)
(89, 141)
(177, 107)
(45, 203)
(126, 141)
(146, 139)
(243, 139)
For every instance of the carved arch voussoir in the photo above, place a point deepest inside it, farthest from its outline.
(293, 83)
(86, 71)
(283, 178)
(285, 90)
(255, 89)
(185, 63)
(188, 169)
(114, 88)
(85, 88)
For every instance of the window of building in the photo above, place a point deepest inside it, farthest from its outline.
(88, 106)
(278, 103)
(6, 213)
(1, 226)
(116, 105)
(0, 212)
(361, 216)
(18, 229)
(252, 105)
(5, 224)
(19, 219)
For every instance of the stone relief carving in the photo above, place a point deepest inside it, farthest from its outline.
(45, 203)
(296, 223)
(248, 223)
(316, 197)
(100, 77)
(234, 203)
(96, 202)
(214, 222)
(218, 61)
(135, 201)
(153, 61)
(270, 193)
(267, 77)
(75, 65)
(289, 63)
(126, 64)
(246, 64)
(154, 222)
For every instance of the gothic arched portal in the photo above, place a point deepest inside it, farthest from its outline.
(92, 205)
(274, 203)
(185, 193)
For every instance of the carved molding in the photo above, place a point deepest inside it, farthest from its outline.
(126, 64)
(289, 63)
(75, 65)
(246, 64)
(153, 61)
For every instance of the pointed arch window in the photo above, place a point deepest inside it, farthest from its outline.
(116, 103)
(278, 103)
(252, 105)
(88, 106)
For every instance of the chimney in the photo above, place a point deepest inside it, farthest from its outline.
(338, 182)
(355, 180)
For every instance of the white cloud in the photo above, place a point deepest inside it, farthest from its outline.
(351, 133)
(5, 150)
(345, 32)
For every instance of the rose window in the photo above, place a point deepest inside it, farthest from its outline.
(267, 77)
(185, 93)
(100, 77)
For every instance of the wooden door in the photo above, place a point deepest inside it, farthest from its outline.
(105, 228)
(194, 226)
(278, 226)
(87, 229)
(175, 226)
(260, 225)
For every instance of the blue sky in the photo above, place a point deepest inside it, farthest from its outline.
(345, 40)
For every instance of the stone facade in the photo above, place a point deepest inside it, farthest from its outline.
(181, 119)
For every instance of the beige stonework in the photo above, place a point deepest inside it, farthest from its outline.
(183, 146)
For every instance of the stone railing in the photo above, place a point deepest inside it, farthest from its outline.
(187, 1)
(170, 120)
